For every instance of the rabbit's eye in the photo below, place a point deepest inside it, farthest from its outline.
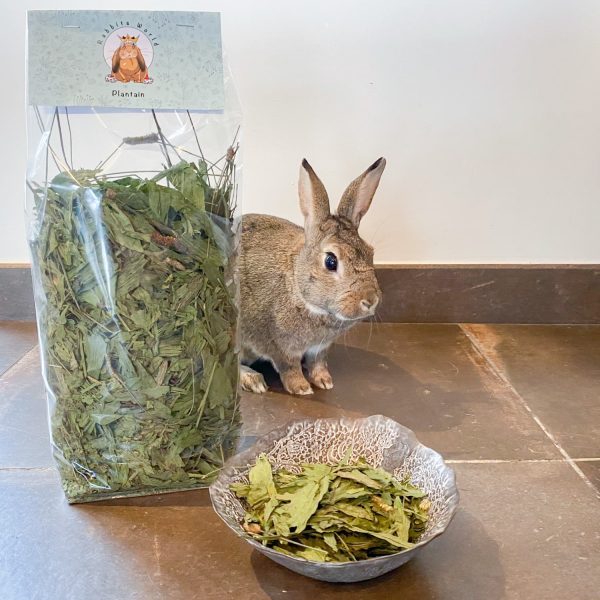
(331, 261)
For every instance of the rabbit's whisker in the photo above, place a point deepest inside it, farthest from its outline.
(370, 333)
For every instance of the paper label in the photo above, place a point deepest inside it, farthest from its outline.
(125, 59)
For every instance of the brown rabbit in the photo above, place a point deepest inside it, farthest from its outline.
(301, 288)
(128, 62)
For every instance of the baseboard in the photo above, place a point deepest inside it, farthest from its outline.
(567, 294)
(490, 293)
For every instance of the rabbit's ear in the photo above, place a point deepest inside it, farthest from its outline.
(357, 198)
(314, 202)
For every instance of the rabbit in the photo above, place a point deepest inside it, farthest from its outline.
(128, 62)
(301, 288)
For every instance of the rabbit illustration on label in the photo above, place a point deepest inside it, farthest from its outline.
(128, 63)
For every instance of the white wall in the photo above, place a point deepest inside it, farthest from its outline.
(488, 113)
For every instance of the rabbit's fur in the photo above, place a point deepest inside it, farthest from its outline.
(292, 306)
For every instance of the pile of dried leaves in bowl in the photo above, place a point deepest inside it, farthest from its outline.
(338, 513)
(137, 319)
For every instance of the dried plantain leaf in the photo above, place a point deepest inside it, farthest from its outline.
(137, 321)
(332, 513)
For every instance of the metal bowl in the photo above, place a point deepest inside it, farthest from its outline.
(382, 442)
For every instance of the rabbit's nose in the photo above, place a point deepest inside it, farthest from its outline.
(369, 304)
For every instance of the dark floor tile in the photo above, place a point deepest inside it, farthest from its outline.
(427, 377)
(556, 369)
(512, 538)
(168, 549)
(592, 471)
(24, 438)
(263, 412)
(16, 338)
(16, 295)
(515, 537)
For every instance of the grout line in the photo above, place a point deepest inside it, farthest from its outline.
(26, 469)
(4, 374)
(494, 461)
(498, 372)
(10, 366)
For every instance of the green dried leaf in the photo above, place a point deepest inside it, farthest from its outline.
(298, 506)
(360, 477)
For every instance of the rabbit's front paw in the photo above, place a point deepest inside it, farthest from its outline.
(295, 383)
(252, 381)
(320, 376)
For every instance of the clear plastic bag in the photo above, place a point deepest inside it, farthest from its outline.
(132, 242)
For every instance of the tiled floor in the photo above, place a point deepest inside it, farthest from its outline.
(516, 409)
(16, 338)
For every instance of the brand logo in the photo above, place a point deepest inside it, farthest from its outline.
(129, 52)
